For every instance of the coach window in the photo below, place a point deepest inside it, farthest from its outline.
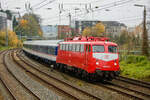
(82, 48)
(53, 50)
(47, 49)
(32, 47)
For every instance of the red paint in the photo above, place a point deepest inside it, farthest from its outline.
(85, 60)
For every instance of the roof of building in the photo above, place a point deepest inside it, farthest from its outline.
(110, 23)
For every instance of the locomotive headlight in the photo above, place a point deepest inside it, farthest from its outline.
(97, 63)
(115, 64)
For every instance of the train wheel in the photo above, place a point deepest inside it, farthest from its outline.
(61, 68)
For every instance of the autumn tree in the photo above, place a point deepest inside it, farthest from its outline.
(29, 25)
(12, 39)
(96, 31)
(87, 32)
(2, 38)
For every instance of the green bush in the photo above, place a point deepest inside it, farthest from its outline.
(137, 67)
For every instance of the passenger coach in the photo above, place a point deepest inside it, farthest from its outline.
(46, 50)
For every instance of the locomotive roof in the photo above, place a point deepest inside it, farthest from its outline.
(43, 42)
(89, 42)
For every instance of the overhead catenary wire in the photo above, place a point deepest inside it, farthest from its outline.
(110, 5)
(45, 4)
(39, 3)
(121, 19)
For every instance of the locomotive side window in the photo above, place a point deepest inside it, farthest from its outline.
(112, 49)
(98, 48)
(66, 47)
(73, 47)
(62, 46)
(78, 47)
(82, 48)
(70, 47)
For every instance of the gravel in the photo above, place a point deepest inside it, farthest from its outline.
(38, 89)
(105, 94)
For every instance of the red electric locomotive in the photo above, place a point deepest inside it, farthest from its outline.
(89, 57)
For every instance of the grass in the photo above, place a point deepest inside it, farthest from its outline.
(5, 48)
(137, 67)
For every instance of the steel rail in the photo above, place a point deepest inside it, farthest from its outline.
(60, 81)
(125, 88)
(120, 92)
(3, 82)
(126, 94)
(133, 81)
(26, 88)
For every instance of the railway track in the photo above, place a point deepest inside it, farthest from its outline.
(132, 93)
(133, 81)
(137, 95)
(3, 82)
(71, 95)
(21, 84)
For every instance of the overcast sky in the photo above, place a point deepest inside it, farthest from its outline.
(126, 12)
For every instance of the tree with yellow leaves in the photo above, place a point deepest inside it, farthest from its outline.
(12, 39)
(96, 31)
(23, 22)
(2, 37)
(86, 32)
(29, 25)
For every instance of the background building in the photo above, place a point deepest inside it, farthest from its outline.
(50, 31)
(148, 30)
(114, 27)
(111, 27)
(64, 31)
(3, 21)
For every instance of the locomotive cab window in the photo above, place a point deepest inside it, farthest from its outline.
(112, 49)
(98, 48)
